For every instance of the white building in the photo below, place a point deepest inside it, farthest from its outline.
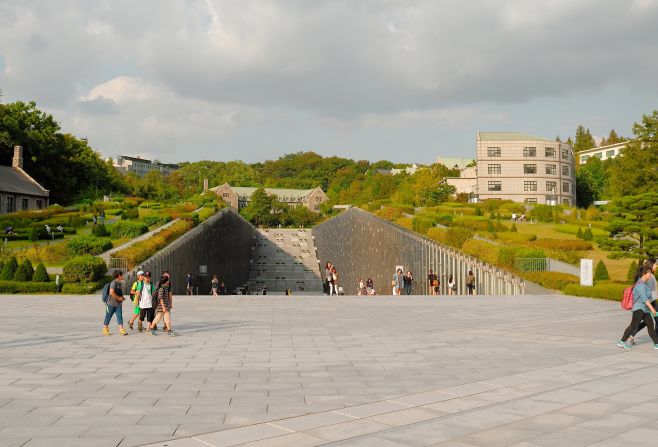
(602, 152)
(141, 166)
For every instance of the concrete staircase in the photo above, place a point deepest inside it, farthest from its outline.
(285, 259)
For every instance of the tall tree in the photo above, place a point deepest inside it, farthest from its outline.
(637, 217)
(584, 139)
(613, 138)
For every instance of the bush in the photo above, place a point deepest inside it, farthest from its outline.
(454, 237)
(482, 250)
(516, 237)
(85, 268)
(131, 213)
(24, 272)
(2, 264)
(551, 280)
(543, 213)
(9, 269)
(421, 224)
(490, 226)
(579, 234)
(404, 222)
(587, 235)
(85, 288)
(129, 229)
(513, 229)
(27, 287)
(601, 272)
(606, 290)
(562, 244)
(632, 272)
(154, 219)
(100, 231)
(88, 245)
(40, 274)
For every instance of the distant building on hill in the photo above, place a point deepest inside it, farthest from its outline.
(520, 167)
(141, 166)
(602, 152)
(455, 163)
(395, 171)
(239, 196)
(19, 191)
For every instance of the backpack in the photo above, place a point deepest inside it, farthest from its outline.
(627, 299)
(105, 294)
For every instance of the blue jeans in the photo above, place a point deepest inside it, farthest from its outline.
(111, 310)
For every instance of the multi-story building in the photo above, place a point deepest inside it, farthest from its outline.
(524, 168)
(19, 191)
(140, 166)
(238, 197)
(602, 152)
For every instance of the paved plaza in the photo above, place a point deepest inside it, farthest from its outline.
(341, 371)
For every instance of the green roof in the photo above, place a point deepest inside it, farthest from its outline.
(279, 192)
(508, 136)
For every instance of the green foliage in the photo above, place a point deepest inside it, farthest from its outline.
(543, 213)
(40, 274)
(584, 139)
(100, 231)
(490, 226)
(454, 237)
(606, 290)
(130, 213)
(579, 234)
(563, 244)
(129, 229)
(24, 272)
(601, 272)
(551, 280)
(513, 228)
(27, 287)
(632, 271)
(85, 288)
(88, 245)
(9, 269)
(86, 268)
(637, 217)
(587, 235)
(422, 224)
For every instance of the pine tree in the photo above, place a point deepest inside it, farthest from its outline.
(490, 226)
(513, 229)
(25, 271)
(40, 274)
(9, 269)
(584, 139)
(632, 271)
(601, 272)
(579, 234)
(587, 235)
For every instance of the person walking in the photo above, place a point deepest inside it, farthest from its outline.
(397, 282)
(361, 287)
(470, 282)
(452, 286)
(370, 286)
(333, 285)
(114, 303)
(642, 310)
(408, 279)
(327, 279)
(190, 284)
(134, 298)
(164, 303)
(650, 263)
(145, 297)
(214, 285)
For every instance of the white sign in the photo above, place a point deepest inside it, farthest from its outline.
(586, 276)
(203, 269)
(399, 267)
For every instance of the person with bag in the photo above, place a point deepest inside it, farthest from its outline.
(642, 310)
(408, 281)
(135, 300)
(113, 305)
(470, 282)
(452, 285)
(651, 263)
(163, 305)
(431, 277)
(145, 297)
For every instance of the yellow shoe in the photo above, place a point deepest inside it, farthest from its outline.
(123, 332)
(106, 331)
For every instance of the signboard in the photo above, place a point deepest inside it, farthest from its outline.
(586, 275)
(203, 269)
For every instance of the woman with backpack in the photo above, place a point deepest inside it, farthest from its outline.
(651, 263)
(642, 310)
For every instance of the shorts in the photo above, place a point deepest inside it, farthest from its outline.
(136, 310)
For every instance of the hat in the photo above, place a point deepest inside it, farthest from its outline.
(140, 273)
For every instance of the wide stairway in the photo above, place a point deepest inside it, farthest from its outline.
(285, 260)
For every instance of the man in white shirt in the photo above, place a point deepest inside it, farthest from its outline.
(145, 295)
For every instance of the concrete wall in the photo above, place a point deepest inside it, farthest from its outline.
(223, 243)
(360, 244)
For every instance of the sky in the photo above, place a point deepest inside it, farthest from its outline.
(402, 80)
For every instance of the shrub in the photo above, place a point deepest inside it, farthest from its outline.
(131, 213)
(483, 250)
(562, 244)
(27, 287)
(154, 219)
(24, 272)
(84, 268)
(142, 250)
(88, 245)
(606, 290)
(9, 269)
(100, 231)
(40, 274)
(551, 280)
(632, 272)
(490, 226)
(513, 229)
(85, 288)
(601, 272)
(454, 237)
(516, 237)
(543, 213)
(405, 222)
(421, 224)
(2, 264)
(129, 229)
(587, 235)
(579, 234)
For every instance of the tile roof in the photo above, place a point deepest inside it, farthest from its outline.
(508, 136)
(15, 181)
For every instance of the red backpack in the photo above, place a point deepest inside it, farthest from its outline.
(627, 300)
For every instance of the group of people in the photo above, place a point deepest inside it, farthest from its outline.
(151, 303)
(217, 287)
(366, 287)
(643, 312)
(59, 228)
(330, 285)
(434, 283)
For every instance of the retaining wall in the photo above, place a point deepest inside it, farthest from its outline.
(360, 244)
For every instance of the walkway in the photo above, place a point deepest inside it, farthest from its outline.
(350, 371)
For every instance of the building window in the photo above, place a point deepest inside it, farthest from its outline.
(549, 152)
(39, 204)
(530, 186)
(10, 205)
(551, 169)
(610, 154)
(599, 155)
(529, 169)
(529, 151)
(565, 153)
(317, 199)
(495, 186)
(565, 170)
(565, 186)
(25, 204)
(530, 200)
(225, 195)
(584, 158)
(565, 202)
(493, 169)
(316, 207)
(493, 152)
(551, 186)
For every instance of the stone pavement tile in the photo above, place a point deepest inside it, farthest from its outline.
(405, 417)
(426, 398)
(194, 429)
(294, 439)
(426, 433)
(184, 442)
(566, 396)
(500, 436)
(14, 442)
(174, 419)
(106, 441)
(52, 431)
(372, 409)
(640, 435)
(458, 404)
(109, 430)
(617, 423)
(347, 430)
(369, 441)
(642, 408)
(241, 435)
(595, 408)
(29, 420)
(570, 437)
(310, 421)
(548, 422)
(98, 420)
(469, 389)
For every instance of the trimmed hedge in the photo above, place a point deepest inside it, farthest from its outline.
(85, 268)
(601, 272)
(41, 274)
(25, 271)
(516, 237)
(454, 237)
(157, 220)
(606, 290)
(88, 245)
(85, 288)
(562, 244)
(9, 269)
(27, 287)
(129, 229)
(551, 280)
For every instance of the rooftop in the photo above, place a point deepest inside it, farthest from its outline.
(279, 192)
(509, 136)
(16, 181)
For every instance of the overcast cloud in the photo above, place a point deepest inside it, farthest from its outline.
(396, 79)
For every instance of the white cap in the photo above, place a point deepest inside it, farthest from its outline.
(140, 273)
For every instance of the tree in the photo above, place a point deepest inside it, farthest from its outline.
(259, 210)
(632, 272)
(25, 271)
(579, 234)
(584, 139)
(9, 269)
(601, 272)
(637, 218)
(587, 235)
(40, 274)
(613, 138)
